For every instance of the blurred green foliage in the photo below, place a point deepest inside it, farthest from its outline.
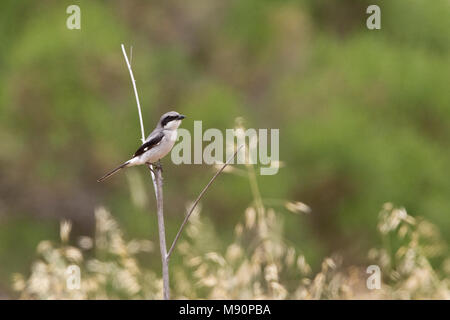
(363, 115)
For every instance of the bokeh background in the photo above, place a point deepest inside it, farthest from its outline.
(364, 116)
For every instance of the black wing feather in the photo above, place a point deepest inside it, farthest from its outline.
(149, 144)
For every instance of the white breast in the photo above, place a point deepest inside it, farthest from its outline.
(173, 136)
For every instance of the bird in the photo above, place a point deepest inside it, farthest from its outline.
(157, 145)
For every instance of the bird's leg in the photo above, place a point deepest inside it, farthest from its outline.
(150, 167)
(159, 165)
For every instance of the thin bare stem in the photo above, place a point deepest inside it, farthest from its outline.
(135, 92)
(196, 203)
(255, 189)
(157, 184)
(162, 232)
(138, 103)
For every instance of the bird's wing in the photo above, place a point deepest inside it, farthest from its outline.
(152, 141)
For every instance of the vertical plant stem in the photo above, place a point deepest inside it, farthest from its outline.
(141, 122)
(158, 185)
(255, 188)
(162, 231)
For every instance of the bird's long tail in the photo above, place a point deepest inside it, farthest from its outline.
(109, 174)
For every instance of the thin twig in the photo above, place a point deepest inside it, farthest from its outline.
(162, 233)
(196, 202)
(138, 105)
(135, 92)
(157, 184)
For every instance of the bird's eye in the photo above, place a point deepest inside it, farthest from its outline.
(167, 119)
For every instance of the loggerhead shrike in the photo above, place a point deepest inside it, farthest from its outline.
(158, 143)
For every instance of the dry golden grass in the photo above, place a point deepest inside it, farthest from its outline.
(258, 264)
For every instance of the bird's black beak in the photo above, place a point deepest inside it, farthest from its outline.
(181, 117)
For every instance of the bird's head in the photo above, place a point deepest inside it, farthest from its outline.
(171, 120)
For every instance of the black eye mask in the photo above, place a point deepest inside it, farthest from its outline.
(167, 119)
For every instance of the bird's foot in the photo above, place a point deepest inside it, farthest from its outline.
(159, 165)
(155, 166)
(150, 167)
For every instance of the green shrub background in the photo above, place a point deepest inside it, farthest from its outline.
(364, 116)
